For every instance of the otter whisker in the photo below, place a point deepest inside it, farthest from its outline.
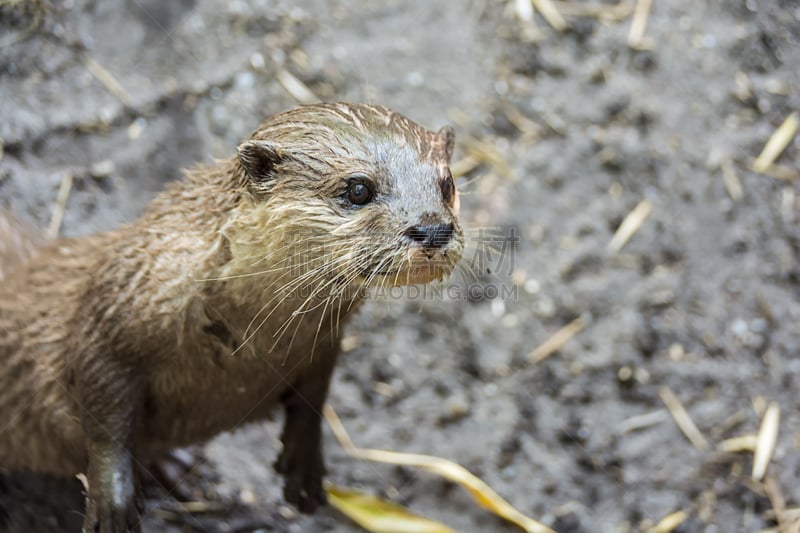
(308, 278)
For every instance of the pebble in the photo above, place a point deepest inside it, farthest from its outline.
(257, 61)
(136, 128)
(498, 308)
(102, 169)
(247, 496)
(455, 408)
(245, 80)
(532, 286)
(545, 308)
(415, 79)
(286, 512)
(739, 327)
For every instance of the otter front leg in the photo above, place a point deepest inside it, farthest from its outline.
(108, 411)
(112, 505)
(301, 462)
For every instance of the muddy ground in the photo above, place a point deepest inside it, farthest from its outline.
(703, 300)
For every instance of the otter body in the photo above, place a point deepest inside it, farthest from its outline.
(224, 299)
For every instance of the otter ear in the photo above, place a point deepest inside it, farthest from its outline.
(448, 138)
(259, 159)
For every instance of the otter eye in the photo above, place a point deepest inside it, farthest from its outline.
(448, 188)
(359, 193)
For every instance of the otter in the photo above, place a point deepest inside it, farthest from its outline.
(223, 300)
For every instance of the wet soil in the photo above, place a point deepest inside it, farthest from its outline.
(703, 300)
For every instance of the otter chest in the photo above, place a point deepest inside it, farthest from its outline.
(207, 388)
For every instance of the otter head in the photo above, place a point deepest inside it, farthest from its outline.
(359, 194)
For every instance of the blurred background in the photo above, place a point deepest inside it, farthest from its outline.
(653, 307)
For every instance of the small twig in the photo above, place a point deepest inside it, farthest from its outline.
(639, 23)
(682, 418)
(556, 341)
(60, 206)
(630, 225)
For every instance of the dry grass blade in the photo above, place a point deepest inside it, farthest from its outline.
(781, 172)
(767, 438)
(788, 519)
(380, 516)
(638, 422)
(616, 12)
(557, 341)
(682, 418)
(670, 522)
(200, 507)
(639, 23)
(487, 153)
(630, 225)
(36, 21)
(480, 491)
(732, 183)
(551, 14)
(296, 88)
(531, 131)
(779, 140)
(108, 80)
(464, 166)
(728, 424)
(60, 206)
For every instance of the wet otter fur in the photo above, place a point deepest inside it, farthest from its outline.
(224, 299)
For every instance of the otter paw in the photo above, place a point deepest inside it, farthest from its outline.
(171, 470)
(302, 479)
(112, 517)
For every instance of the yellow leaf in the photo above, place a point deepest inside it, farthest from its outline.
(480, 491)
(380, 516)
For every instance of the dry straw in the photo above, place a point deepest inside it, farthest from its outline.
(557, 340)
(776, 144)
(60, 206)
(639, 23)
(630, 225)
(299, 90)
(670, 522)
(108, 80)
(767, 438)
(682, 418)
(478, 489)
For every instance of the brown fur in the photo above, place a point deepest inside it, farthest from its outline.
(223, 299)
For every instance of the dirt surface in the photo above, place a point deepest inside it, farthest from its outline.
(703, 300)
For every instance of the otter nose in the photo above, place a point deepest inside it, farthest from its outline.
(432, 235)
